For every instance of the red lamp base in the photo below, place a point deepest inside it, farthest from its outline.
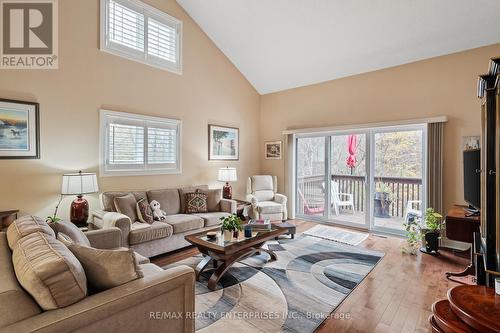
(227, 191)
(79, 212)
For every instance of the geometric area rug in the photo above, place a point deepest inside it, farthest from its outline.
(295, 293)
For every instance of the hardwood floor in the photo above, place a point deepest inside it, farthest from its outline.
(395, 297)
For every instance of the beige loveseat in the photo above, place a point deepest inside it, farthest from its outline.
(140, 305)
(161, 236)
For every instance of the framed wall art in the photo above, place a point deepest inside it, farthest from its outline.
(223, 143)
(273, 150)
(19, 130)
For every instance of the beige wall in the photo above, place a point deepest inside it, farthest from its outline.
(439, 86)
(211, 90)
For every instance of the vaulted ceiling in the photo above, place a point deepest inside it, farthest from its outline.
(282, 44)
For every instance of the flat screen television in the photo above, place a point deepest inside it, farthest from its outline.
(472, 178)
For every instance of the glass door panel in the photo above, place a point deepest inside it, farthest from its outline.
(311, 174)
(348, 188)
(398, 164)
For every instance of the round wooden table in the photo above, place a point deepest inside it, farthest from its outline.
(477, 306)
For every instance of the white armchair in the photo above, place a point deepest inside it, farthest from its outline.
(266, 203)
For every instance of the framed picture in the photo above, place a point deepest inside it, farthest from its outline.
(471, 142)
(19, 130)
(223, 143)
(273, 150)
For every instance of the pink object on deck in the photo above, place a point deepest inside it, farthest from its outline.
(352, 141)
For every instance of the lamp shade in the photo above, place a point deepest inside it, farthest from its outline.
(227, 175)
(79, 183)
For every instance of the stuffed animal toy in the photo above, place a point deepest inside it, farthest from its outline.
(158, 214)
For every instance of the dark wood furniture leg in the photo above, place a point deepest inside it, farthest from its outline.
(201, 266)
(228, 262)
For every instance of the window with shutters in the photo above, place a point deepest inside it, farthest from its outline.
(137, 145)
(137, 31)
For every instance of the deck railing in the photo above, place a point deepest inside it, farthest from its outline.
(402, 190)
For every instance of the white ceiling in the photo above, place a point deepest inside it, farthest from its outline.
(282, 44)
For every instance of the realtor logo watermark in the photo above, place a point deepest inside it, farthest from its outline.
(28, 34)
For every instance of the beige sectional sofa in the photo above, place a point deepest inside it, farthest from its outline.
(162, 236)
(39, 262)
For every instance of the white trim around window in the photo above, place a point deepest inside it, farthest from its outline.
(134, 145)
(136, 31)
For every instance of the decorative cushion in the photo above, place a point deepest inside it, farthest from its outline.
(169, 200)
(141, 233)
(71, 230)
(27, 225)
(144, 212)
(270, 207)
(127, 205)
(213, 200)
(264, 195)
(108, 198)
(182, 223)
(183, 191)
(212, 218)
(105, 269)
(15, 303)
(48, 271)
(196, 202)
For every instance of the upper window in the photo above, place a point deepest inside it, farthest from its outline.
(134, 30)
(136, 145)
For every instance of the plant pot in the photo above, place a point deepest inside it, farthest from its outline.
(382, 204)
(228, 236)
(431, 245)
(236, 234)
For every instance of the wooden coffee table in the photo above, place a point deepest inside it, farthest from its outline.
(224, 254)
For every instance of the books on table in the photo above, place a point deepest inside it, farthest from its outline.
(260, 225)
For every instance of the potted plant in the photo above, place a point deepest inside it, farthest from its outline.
(383, 199)
(231, 225)
(413, 236)
(431, 231)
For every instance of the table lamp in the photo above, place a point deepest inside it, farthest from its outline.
(79, 184)
(227, 175)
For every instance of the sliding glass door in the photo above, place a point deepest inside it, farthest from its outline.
(348, 187)
(311, 175)
(398, 171)
(368, 179)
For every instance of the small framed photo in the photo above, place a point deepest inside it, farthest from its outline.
(273, 150)
(472, 142)
(223, 143)
(19, 130)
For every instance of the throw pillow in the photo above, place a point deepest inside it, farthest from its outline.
(196, 202)
(213, 200)
(105, 269)
(71, 230)
(144, 212)
(126, 205)
(48, 271)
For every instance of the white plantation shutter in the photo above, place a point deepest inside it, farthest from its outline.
(125, 26)
(126, 144)
(162, 145)
(134, 144)
(137, 31)
(162, 41)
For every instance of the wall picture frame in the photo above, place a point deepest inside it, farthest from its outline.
(471, 142)
(19, 129)
(223, 143)
(273, 150)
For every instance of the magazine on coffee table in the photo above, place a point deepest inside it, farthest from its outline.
(260, 225)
